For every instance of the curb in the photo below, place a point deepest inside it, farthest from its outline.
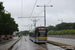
(14, 44)
(65, 46)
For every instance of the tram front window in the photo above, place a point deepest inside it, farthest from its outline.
(42, 34)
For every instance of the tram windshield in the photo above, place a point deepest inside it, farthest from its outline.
(42, 34)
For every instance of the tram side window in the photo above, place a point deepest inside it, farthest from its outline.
(30, 34)
(33, 34)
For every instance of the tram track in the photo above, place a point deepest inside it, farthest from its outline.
(44, 46)
(47, 46)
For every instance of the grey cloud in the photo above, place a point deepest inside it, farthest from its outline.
(62, 9)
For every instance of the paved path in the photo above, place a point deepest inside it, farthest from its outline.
(8, 44)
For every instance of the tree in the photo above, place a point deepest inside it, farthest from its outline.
(7, 24)
(50, 28)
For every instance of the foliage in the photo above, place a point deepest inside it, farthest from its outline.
(50, 28)
(7, 24)
(62, 26)
(51, 32)
(65, 26)
(60, 32)
(24, 32)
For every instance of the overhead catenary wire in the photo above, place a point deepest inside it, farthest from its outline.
(21, 8)
(48, 2)
(41, 11)
(33, 8)
(32, 11)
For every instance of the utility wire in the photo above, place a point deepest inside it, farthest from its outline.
(48, 2)
(21, 8)
(42, 10)
(33, 8)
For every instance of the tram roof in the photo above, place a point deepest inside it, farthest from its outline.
(37, 27)
(40, 27)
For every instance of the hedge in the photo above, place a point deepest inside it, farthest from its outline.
(60, 32)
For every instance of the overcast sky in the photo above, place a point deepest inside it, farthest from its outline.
(61, 10)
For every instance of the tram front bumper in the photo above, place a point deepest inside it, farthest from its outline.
(42, 41)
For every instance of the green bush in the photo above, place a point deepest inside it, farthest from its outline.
(51, 32)
(60, 32)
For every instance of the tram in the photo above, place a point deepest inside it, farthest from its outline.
(38, 35)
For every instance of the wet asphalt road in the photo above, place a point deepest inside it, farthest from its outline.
(26, 44)
(63, 40)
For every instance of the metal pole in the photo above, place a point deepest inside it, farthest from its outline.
(34, 22)
(44, 12)
(44, 15)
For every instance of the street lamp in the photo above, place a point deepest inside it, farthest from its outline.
(61, 20)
